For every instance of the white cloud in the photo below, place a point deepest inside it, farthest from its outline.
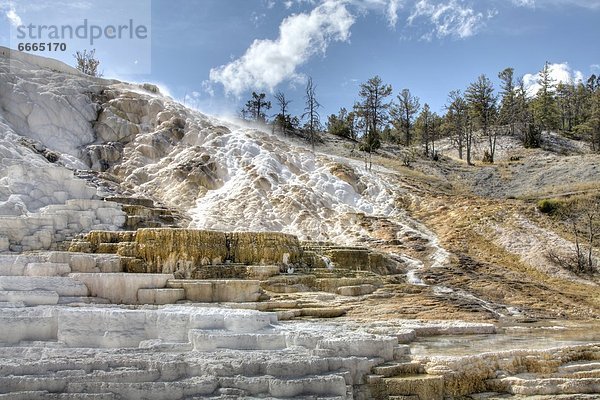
(267, 63)
(392, 11)
(449, 18)
(13, 17)
(592, 4)
(561, 72)
(390, 8)
(208, 88)
(191, 100)
(524, 3)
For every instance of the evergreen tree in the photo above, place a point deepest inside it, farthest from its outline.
(457, 123)
(581, 104)
(594, 122)
(373, 94)
(593, 83)
(424, 128)
(435, 133)
(256, 106)
(591, 127)
(373, 111)
(403, 114)
(342, 124)
(530, 133)
(544, 106)
(482, 108)
(565, 100)
(508, 105)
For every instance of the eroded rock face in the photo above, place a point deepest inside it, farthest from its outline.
(173, 249)
(180, 251)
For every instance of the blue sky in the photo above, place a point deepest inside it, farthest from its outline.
(213, 53)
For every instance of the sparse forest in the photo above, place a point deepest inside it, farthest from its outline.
(479, 110)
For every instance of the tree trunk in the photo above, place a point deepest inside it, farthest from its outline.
(591, 241)
(460, 145)
(577, 247)
(469, 143)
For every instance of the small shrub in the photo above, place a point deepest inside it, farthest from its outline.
(87, 62)
(151, 88)
(548, 206)
(487, 157)
(51, 156)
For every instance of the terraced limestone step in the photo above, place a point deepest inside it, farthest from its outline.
(120, 288)
(206, 340)
(56, 263)
(27, 324)
(581, 367)
(47, 269)
(532, 385)
(218, 291)
(289, 283)
(430, 387)
(40, 279)
(357, 290)
(149, 385)
(160, 296)
(29, 297)
(397, 369)
(196, 386)
(44, 395)
(50, 226)
(578, 377)
(244, 353)
(143, 213)
(63, 286)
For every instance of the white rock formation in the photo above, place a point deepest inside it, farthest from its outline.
(224, 175)
(176, 347)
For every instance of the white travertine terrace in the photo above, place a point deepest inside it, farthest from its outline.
(75, 326)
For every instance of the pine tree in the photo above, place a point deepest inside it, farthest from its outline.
(591, 127)
(424, 128)
(565, 100)
(594, 122)
(508, 105)
(457, 123)
(342, 124)
(530, 133)
(373, 111)
(482, 108)
(256, 107)
(403, 114)
(544, 106)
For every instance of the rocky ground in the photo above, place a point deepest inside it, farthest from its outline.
(485, 217)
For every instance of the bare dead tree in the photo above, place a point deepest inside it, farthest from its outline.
(582, 219)
(310, 111)
(283, 118)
